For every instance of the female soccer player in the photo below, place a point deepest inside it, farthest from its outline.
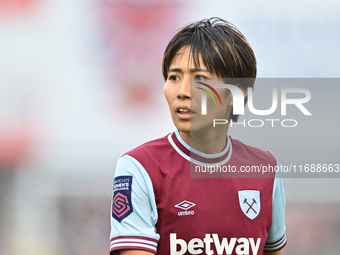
(157, 207)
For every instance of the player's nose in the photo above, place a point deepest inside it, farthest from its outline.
(184, 89)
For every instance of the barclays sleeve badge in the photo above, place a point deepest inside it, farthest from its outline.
(122, 204)
(250, 202)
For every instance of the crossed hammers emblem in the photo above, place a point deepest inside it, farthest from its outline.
(250, 206)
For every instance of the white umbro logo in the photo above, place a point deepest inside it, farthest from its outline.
(185, 205)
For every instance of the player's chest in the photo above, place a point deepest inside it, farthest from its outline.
(233, 205)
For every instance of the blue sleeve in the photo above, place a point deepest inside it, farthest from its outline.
(276, 239)
(134, 212)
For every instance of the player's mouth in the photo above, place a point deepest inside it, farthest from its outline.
(184, 112)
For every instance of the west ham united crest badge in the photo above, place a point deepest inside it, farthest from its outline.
(250, 202)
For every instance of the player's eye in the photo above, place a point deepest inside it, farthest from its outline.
(200, 78)
(173, 78)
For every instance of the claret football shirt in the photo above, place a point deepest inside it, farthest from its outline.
(158, 207)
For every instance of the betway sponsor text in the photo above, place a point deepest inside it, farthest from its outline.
(241, 245)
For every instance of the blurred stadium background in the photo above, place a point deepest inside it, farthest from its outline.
(81, 83)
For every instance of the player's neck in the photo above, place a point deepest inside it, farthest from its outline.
(206, 142)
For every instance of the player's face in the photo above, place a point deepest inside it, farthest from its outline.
(184, 96)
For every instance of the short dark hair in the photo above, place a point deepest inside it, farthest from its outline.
(223, 48)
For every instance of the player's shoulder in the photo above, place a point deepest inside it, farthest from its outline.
(149, 158)
(248, 151)
(153, 147)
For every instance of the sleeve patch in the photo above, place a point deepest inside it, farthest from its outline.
(122, 205)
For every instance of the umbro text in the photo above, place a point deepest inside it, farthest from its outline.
(186, 213)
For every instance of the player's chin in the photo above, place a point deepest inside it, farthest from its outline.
(183, 126)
